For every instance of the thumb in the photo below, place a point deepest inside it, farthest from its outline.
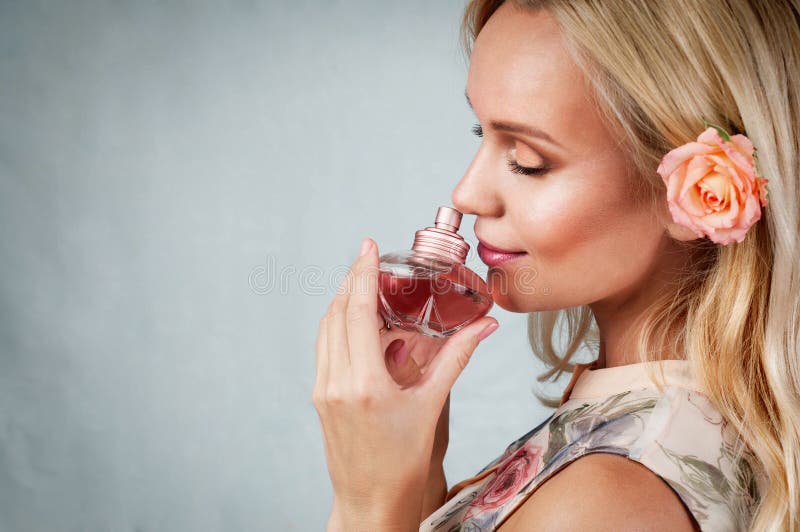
(454, 355)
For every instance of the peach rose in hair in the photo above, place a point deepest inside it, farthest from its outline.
(712, 186)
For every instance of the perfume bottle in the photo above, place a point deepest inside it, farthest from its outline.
(428, 288)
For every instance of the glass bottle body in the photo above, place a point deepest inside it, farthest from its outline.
(430, 293)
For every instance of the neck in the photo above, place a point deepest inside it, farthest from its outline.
(616, 316)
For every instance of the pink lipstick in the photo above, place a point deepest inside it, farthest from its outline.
(493, 256)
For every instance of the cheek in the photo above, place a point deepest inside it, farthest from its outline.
(561, 220)
(586, 231)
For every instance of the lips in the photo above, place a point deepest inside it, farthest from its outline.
(493, 256)
(497, 249)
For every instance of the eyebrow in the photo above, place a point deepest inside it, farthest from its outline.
(511, 127)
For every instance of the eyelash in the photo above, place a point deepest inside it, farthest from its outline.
(524, 170)
(477, 130)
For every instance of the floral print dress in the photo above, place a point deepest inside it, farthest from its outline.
(676, 433)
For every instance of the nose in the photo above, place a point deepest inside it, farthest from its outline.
(478, 191)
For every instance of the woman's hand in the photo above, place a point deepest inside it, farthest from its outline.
(408, 353)
(378, 434)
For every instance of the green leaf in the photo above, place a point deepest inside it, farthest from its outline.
(722, 133)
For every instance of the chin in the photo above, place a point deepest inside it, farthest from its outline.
(523, 303)
(524, 296)
(508, 298)
(514, 288)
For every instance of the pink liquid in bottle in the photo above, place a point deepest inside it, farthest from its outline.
(428, 288)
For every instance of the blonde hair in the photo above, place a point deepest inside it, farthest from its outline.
(659, 69)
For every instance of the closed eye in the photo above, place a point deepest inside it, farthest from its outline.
(524, 170)
(477, 130)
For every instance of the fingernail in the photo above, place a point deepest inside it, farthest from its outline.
(365, 245)
(489, 329)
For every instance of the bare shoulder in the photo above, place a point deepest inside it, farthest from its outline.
(602, 491)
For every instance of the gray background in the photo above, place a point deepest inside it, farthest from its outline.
(182, 185)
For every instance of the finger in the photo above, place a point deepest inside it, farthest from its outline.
(321, 381)
(363, 319)
(336, 331)
(452, 359)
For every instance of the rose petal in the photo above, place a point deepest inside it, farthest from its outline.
(752, 211)
(699, 167)
(762, 191)
(743, 144)
(745, 164)
(690, 199)
(710, 137)
(728, 236)
(680, 216)
(679, 155)
(716, 187)
(728, 214)
(725, 166)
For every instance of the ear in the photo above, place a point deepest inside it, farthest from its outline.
(681, 232)
(675, 230)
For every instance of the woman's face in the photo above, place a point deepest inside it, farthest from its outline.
(584, 238)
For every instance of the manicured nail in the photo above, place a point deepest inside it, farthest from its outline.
(489, 329)
(365, 246)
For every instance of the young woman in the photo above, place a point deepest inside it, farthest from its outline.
(627, 146)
